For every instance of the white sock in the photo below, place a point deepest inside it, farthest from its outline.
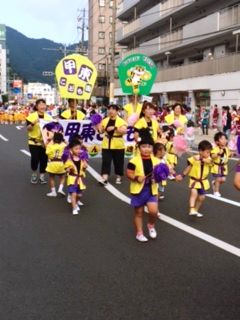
(53, 190)
(60, 188)
(42, 175)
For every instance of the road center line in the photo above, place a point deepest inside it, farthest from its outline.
(3, 138)
(234, 203)
(196, 233)
(27, 153)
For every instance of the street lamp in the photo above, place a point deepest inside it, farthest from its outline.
(236, 33)
(167, 54)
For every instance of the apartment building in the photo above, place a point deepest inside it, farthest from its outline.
(195, 44)
(99, 46)
(3, 60)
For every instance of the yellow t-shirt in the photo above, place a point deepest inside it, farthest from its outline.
(35, 135)
(68, 116)
(198, 174)
(220, 164)
(130, 109)
(154, 127)
(116, 141)
(54, 152)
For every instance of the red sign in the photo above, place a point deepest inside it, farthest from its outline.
(17, 84)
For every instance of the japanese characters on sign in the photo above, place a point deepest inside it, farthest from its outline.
(91, 138)
(76, 76)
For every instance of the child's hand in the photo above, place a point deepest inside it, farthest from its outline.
(111, 128)
(207, 160)
(140, 179)
(179, 178)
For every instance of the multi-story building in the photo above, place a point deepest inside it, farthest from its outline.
(194, 44)
(37, 90)
(3, 60)
(100, 27)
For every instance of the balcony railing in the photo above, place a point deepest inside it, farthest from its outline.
(229, 17)
(230, 63)
(151, 16)
(125, 5)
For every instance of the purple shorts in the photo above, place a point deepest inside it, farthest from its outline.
(238, 168)
(201, 192)
(218, 175)
(74, 189)
(144, 197)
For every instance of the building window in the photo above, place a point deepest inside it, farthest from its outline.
(101, 3)
(110, 19)
(110, 50)
(101, 50)
(102, 66)
(110, 35)
(110, 3)
(101, 19)
(101, 35)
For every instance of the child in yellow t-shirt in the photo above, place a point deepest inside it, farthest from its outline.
(55, 165)
(220, 155)
(198, 170)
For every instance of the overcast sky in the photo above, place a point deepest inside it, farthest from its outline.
(52, 19)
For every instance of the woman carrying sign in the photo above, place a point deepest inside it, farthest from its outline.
(132, 107)
(72, 113)
(113, 145)
(35, 141)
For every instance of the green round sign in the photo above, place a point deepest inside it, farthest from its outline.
(137, 73)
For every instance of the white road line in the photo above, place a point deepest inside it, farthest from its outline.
(234, 203)
(3, 138)
(27, 153)
(199, 234)
(196, 233)
(19, 127)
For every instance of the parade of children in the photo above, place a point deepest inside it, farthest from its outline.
(160, 144)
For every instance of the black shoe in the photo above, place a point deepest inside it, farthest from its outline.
(103, 182)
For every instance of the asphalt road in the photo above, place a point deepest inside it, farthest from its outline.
(58, 266)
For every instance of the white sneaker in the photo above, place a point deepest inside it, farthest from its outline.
(80, 204)
(118, 180)
(52, 194)
(62, 192)
(34, 179)
(141, 238)
(152, 233)
(171, 177)
(217, 194)
(195, 214)
(75, 211)
(69, 199)
(199, 215)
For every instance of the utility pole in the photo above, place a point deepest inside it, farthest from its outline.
(82, 26)
(113, 49)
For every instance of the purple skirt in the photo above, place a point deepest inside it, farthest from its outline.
(74, 189)
(238, 168)
(144, 197)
